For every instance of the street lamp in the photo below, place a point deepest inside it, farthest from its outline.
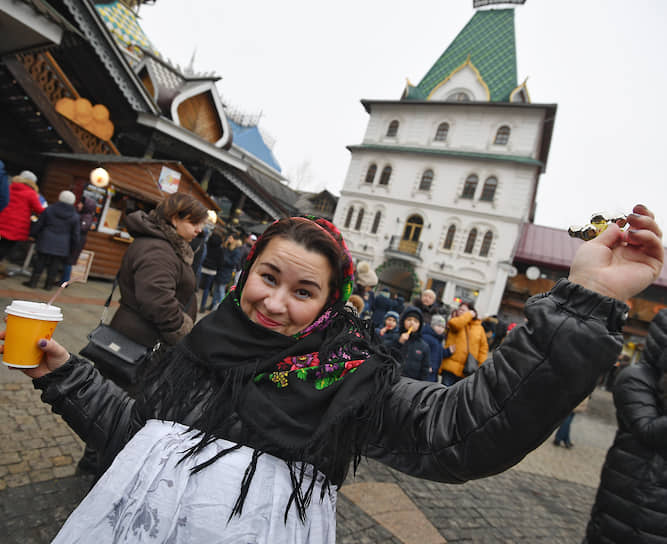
(99, 177)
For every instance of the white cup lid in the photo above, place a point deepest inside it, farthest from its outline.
(34, 310)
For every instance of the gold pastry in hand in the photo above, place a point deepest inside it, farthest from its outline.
(599, 222)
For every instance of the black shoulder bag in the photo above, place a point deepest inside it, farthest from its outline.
(114, 353)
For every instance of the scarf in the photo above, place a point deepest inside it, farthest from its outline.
(314, 397)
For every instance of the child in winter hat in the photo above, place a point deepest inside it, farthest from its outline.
(365, 275)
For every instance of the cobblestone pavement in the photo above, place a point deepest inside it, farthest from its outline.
(545, 498)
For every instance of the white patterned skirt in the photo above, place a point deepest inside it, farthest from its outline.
(148, 496)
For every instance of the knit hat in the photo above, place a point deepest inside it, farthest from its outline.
(67, 197)
(391, 313)
(438, 320)
(365, 275)
(27, 174)
(413, 313)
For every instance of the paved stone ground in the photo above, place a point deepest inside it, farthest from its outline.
(545, 498)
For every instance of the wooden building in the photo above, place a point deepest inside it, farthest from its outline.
(135, 184)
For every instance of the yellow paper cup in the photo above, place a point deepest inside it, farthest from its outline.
(27, 322)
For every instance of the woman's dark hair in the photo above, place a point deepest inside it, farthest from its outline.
(184, 206)
(312, 237)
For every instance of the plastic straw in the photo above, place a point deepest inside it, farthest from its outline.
(60, 289)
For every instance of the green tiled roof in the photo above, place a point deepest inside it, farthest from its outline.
(489, 40)
(449, 153)
(122, 23)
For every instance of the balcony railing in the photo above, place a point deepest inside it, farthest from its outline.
(404, 248)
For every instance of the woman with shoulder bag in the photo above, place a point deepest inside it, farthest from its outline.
(157, 285)
(156, 280)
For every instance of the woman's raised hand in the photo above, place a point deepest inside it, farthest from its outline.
(619, 263)
(54, 356)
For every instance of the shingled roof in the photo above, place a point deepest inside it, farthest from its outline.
(488, 42)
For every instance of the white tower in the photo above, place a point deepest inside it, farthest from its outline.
(436, 193)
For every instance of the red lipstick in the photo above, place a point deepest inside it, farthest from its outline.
(265, 321)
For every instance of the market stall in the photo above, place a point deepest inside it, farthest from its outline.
(134, 184)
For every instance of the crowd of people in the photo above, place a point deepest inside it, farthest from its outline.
(434, 341)
(242, 424)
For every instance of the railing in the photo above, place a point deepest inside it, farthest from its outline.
(406, 247)
(54, 84)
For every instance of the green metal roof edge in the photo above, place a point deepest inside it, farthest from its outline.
(448, 153)
(493, 55)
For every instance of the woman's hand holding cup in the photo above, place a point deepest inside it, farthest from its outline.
(54, 356)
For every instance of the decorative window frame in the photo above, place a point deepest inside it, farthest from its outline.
(463, 188)
(495, 192)
(364, 176)
(434, 133)
(383, 218)
(385, 129)
(391, 172)
(495, 129)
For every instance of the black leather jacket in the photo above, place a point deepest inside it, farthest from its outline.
(480, 426)
(631, 502)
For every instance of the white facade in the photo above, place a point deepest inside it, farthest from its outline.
(468, 149)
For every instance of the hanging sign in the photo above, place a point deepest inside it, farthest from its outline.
(169, 180)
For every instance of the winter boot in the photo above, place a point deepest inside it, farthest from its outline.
(48, 284)
(32, 282)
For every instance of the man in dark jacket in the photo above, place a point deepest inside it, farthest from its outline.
(415, 353)
(631, 502)
(382, 303)
(57, 232)
(426, 303)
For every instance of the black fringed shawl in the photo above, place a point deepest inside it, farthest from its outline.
(316, 399)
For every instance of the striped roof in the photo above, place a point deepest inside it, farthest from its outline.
(488, 42)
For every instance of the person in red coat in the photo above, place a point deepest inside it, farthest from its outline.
(15, 218)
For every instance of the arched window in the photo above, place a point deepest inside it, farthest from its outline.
(386, 174)
(486, 244)
(459, 96)
(470, 186)
(413, 228)
(502, 136)
(489, 189)
(426, 181)
(376, 222)
(348, 219)
(470, 244)
(370, 173)
(449, 239)
(360, 218)
(393, 129)
(441, 133)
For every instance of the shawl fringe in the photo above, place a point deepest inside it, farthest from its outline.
(207, 398)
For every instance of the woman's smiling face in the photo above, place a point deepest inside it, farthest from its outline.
(287, 287)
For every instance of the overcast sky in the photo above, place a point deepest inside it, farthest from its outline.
(306, 65)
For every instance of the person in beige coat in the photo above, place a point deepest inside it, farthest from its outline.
(465, 331)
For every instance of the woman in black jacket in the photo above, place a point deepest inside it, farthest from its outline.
(210, 266)
(246, 428)
(57, 233)
(86, 210)
(631, 503)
